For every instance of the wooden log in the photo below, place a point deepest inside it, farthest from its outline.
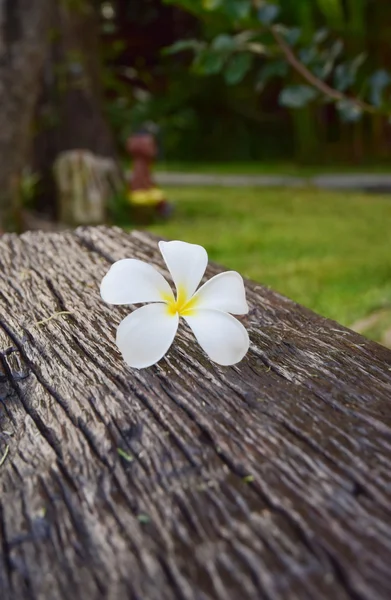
(268, 480)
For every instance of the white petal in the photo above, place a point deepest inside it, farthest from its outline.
(130, 281)
(145, 335)
(223, 292)
(186, 263)
(223, 338)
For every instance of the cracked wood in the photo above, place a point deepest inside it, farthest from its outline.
(268, 480)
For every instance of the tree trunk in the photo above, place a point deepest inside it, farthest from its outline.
(23, 40)
(70, 112)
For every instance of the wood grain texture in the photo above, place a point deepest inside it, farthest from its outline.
(268, 480)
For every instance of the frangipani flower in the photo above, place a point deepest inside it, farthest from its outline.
(145, 335)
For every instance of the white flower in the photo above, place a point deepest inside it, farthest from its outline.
(145, 335)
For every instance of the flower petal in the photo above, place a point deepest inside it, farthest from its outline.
(145, 335)
(223, 292)
(130, 281)
(223, 338)
(186, 263)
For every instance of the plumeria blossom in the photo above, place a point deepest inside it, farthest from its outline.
(145, 335)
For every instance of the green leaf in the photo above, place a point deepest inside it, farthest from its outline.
(324, 63)
(378, 83)
(211, 4)
(291, 35)
(182, 45)
(333, 10)
(343, 77)
(320, 36)
(246, 36)
(349, 111)
(270, 70)
(143, 518)
(223, 43)
(297, 96)
(248, 479)
(308, 55)
(237, 10)
(336, 49)
(268, 13)
(345, 74)
(208, 62)
(323, 69)
(358, 61)
(257, 48)
(125, 455)
(237, 67)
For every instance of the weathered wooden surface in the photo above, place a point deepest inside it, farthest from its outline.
(269, 480)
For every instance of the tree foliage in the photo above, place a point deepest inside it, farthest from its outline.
(246, 38)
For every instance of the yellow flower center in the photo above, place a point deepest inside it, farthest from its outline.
(182, 305)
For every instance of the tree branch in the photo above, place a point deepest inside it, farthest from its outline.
(317, 83)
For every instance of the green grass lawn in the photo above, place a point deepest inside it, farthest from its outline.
(264, 168)
(328, 251)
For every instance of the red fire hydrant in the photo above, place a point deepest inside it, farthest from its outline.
(146, 199)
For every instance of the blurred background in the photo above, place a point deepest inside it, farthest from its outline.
(261, 130)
